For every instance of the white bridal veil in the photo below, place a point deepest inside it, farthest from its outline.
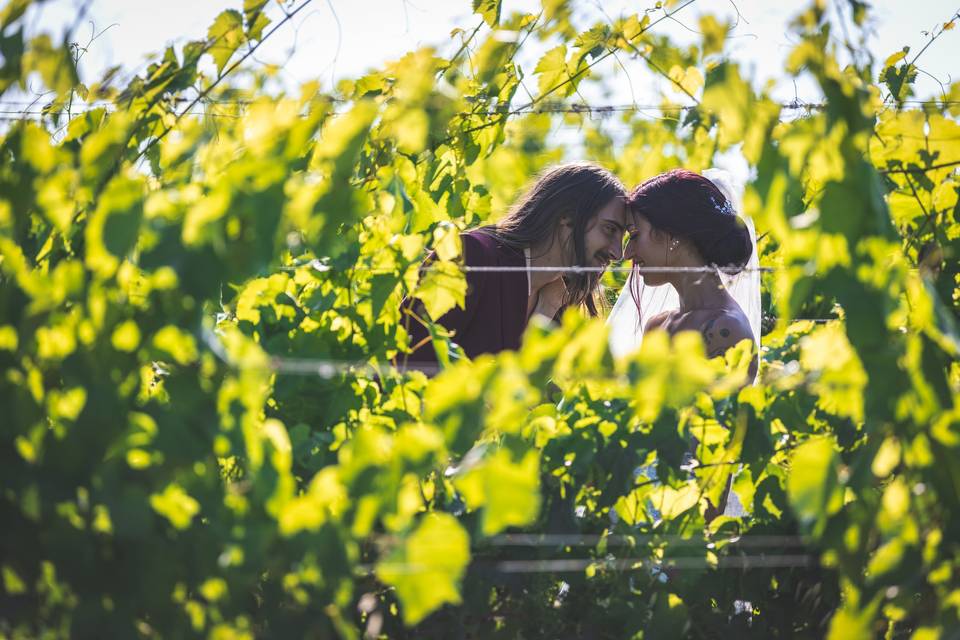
(627, 319)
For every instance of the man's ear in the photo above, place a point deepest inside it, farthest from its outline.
(563, 233)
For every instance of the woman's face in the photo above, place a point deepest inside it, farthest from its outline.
(647, 247)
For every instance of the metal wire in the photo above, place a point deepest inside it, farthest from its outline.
(633, 564)
(621, 540)
(319, 266)
(544, 107)
(570, 565)
(566, 565)
(318, 367)
(328, 369)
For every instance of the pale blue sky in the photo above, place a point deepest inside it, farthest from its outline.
(333, 39)
(371, 31)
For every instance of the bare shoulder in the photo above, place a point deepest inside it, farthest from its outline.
(724, 330)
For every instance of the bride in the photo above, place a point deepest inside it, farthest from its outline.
(695, 267)
(695, 264)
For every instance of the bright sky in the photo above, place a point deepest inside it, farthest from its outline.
(337, 38)
(333, 39)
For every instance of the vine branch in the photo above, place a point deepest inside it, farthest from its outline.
(203, 94)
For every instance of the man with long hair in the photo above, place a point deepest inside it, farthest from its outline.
(573, 215)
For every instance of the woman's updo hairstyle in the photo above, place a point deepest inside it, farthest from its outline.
(686, 204)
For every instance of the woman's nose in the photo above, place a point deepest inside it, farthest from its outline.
(627, 253)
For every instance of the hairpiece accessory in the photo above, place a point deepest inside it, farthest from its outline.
(724, 207)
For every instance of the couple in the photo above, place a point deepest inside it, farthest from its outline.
(687, 244)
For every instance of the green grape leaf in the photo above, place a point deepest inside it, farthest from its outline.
(842, 377)
(175, 344)
(508, 491)
(126, 336)
(729, 97)
(689, 79)
(427, 566)
(632, 508)
(896, 57)
(53, 63)
(114, 227)
(254, 18)
(672, 502)
(899, 80)
(854, 622)
(441, 288)
(12, 12)
(446, 242)
(489, 10)
(813, 485)
(554, 72)
(176, 505)
(225, 36)
(592, 41)
(714, 34)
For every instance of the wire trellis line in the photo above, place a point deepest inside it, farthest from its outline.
(328, 369)
(621, 540)
(632, 564)
(571, 565)
(325, 369)
(543, 108)
(546, 105)
(321, 267)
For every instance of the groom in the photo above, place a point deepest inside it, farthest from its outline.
(573, 215)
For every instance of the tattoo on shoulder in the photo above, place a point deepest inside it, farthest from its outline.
(708, 332)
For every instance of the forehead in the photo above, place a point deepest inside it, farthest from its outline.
(637, 219)
(614, 211)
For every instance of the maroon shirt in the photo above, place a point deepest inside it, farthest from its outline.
(495, 310)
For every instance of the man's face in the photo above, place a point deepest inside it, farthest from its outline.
(603, 240)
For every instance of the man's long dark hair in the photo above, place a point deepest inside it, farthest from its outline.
(577, 191)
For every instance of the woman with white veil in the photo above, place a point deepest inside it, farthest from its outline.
(695, 268)
(695, 264)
